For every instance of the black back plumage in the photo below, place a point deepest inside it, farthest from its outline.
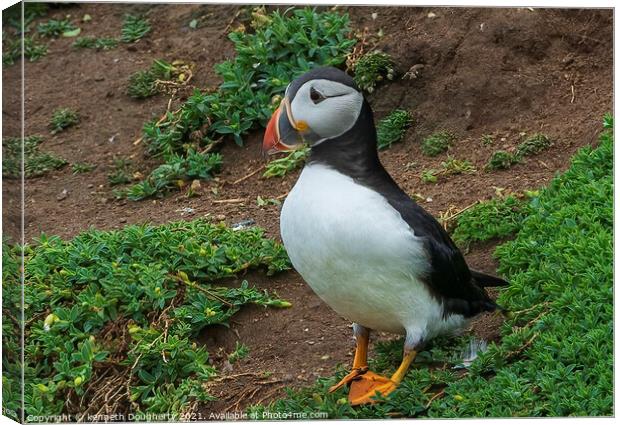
(450, 280)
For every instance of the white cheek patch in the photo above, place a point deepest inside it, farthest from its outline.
(331, 117)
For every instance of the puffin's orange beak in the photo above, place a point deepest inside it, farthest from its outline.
(271, 140)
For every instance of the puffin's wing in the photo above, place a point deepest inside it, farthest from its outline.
(450, 279)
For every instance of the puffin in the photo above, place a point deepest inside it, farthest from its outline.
(358, 240)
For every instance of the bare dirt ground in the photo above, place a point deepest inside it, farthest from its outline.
(499, 72)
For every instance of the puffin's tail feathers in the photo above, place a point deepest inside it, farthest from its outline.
(486, 280)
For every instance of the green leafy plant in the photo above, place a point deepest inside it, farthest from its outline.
(608, 121)
(429, 176)
(282, 47)
(63, 118)
(142, 84)
(487, 140)
(99, 43)
(12, 49)
(496, 218)
(120, 173)
(82, 167)
(56, 28)
(373, 68)
(262, 202)
(437, 143)
(36, 163)
(134, 28)
(121, 309)
(502, 160)
(533, 145)
(451, 166)
(281, 166)
(392, 128)
(241, 351)
(12, 16)
(561, 278)
(167, 176)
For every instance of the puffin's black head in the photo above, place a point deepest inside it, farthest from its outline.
(318, 107)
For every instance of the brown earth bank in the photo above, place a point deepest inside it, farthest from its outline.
(498, 72)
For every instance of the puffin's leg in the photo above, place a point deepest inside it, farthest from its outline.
(360, 361)
(366, 388)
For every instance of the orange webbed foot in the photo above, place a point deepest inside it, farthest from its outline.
(364, 389)
(350, 377)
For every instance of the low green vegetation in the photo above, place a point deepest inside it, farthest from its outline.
(533, 145)
(120, 173)
(175, 173)
(373, 68)
(437, 143)
(134, 28)
(56, 28)
(496, 218)
(122, 310)
(82, 167)
(556, 349)
(241, 351)
(392, 128)
(12, 49)
(281, 47)
(12, 16)
(36, 163)
(143, 84)
(449, 167)
(62, 119)
(502, 160)
(487, 140)
(99, 43)
(281, 166)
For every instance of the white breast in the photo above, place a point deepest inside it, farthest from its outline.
(358, 254)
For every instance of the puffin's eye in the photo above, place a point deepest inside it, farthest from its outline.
(315, 96)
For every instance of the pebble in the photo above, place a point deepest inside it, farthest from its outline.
(123, 220)
(62, 195)
(431, 15)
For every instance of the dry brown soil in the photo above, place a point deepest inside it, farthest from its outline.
(499, 72)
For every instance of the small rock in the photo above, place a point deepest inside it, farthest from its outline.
(243, 224)
(227, 367)
(374, 16)
(325, 357)
(90, 186)
(123, 220)
(220, 217)
(62, 195)
(431, 15)
(310, 342)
